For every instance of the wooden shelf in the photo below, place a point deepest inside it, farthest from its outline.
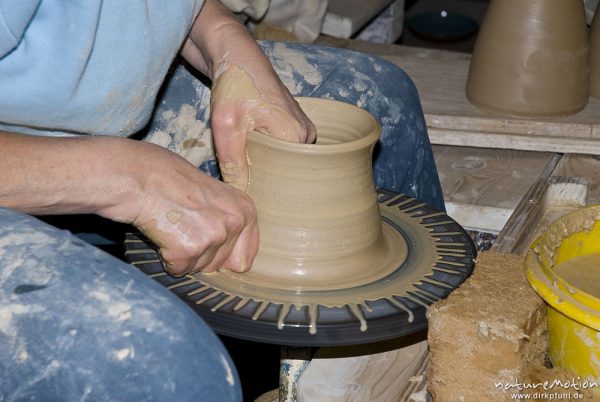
(482, 187)
(344, 18)
(441, 76)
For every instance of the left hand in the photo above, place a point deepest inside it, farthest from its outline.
(246, 95)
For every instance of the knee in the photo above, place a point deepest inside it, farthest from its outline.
(114, 325)
(393, 78)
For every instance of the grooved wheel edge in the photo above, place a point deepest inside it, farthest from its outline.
(298, 319)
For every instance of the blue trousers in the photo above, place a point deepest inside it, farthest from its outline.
(79, 324)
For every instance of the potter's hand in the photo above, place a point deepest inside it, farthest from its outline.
(247, 95)
(199, 223)
(238, 108)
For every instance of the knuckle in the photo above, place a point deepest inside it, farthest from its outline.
(243, 215)
(236, 222)
(216, 235)
(174, 266)
(191, 249)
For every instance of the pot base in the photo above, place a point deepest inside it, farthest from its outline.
(378, 262)
(439, 257)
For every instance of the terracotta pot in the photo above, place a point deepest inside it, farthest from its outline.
(319, 221)
(595, 56)
(531, 59)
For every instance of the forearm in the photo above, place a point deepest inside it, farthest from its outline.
(198, 222)
(49, 175)
(217, 40)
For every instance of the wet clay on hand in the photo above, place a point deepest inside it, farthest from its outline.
(238, 109)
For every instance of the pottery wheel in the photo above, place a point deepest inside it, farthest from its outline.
(439, 257)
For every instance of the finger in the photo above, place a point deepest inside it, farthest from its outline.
(173, 267)
(231, 153)
(311, 132)
(242, 242)
(308, 125)
(213, 261)
(243, 252)
(210, 260)
(181, 260)
(277, 122)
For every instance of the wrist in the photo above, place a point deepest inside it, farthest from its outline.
(222, 39)
(123, 180)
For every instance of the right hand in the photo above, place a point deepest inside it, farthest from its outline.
(198, 223)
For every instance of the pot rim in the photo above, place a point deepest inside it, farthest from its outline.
(308, 103)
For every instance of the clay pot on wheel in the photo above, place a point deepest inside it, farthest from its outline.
(531, 59)
(318, 216)
(335, 254)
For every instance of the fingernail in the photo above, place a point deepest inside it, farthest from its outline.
(247, 264)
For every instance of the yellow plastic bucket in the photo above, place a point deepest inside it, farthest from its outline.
(573, 314)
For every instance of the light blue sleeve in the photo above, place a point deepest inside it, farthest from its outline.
(86, 66)
(14, 18)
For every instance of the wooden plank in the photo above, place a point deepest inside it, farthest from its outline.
(565, 194)
(517, 231)
(516, 235)
(479, 218)
(526, 142)
(482, 187)
(440, 77)
(585, 166)
(547, 201)
(505, 126)
(364, 373)
(345, 17)
(490, 177)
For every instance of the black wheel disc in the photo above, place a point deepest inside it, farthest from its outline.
(440, 257)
